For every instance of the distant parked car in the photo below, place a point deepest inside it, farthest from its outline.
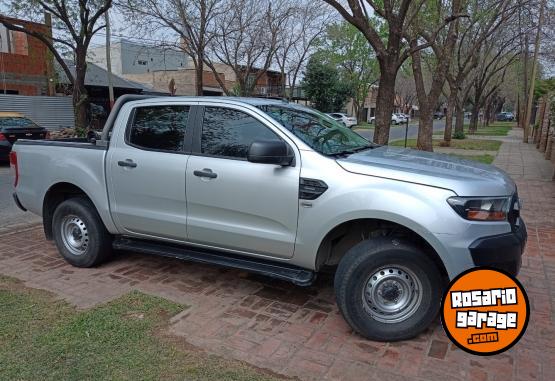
(402, 118)
(13, 126)
(348, 121)
(395, 119)
(439, 115)
(505, 117)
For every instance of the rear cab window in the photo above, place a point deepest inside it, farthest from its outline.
(159, 128)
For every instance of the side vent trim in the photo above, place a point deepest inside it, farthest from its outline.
(311, 189)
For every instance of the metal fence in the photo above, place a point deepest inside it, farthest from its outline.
(52, 113)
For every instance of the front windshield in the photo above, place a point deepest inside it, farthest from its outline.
(317, 130)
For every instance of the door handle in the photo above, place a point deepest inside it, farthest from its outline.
(205, 173)
(127, 163)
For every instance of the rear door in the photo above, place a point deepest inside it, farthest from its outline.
(146, 170)
(235, 204)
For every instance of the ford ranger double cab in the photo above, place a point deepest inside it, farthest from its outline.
(277, 189)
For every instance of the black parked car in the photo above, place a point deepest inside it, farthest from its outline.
(438, 115)
(505, 117)
(15, 126)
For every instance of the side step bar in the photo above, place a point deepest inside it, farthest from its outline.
(294, 274)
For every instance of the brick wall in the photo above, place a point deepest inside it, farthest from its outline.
(209, 79)
(25, 66)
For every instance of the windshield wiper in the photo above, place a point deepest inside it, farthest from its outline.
(353, 150)
(368, 146)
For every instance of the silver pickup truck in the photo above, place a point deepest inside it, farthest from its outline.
(277, 189)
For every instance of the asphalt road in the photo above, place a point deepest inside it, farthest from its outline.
(398, 132)
(10, 214)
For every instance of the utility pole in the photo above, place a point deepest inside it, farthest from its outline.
(528, 113)
(109, 61)
(49, 58)
(526, 58)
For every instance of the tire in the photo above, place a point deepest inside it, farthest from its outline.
(80, 234)
(388, 265)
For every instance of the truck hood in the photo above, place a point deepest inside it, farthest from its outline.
(464, 177)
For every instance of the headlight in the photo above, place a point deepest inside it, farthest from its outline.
(482, 208)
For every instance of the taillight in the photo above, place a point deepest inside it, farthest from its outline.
(47, 135)
(13, 163)
(2, 137)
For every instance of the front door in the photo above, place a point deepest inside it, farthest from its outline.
(146, 173)
(233, 203)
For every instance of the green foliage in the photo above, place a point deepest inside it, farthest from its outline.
(235, 90)
(46, 339)
(466, 144)
(324, 87)
(543, 87)
(485, 159)
(459, 135)
(346, 48)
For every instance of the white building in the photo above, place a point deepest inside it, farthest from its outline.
(130, 58)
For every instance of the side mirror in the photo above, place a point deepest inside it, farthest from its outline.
(270, 152)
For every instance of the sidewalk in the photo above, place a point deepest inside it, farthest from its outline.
(298, 332)
(532, 173)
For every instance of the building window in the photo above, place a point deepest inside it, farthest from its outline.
(12, 42)
(142, 62)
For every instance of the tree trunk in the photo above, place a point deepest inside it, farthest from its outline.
(79, 94)
(451, 102)
(549, 146)
(530, 99)
(199, 82)
(428, 100)
(473, 127)
(425, 129)
(545, 125)
(385, 102)
(540, 117)
(487, 113)
(459, 124)
(282, 85)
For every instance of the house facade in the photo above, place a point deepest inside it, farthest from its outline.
(25, 62)
(129, 58)
(163, 68)
(368, 109)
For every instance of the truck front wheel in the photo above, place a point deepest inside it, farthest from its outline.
(80, 234)
(388, 289)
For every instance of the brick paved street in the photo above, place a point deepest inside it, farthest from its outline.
(298, 331)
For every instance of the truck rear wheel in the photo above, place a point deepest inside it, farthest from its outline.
(80, 234)
(387, 289)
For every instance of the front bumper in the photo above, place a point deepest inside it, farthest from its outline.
(503, 251)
